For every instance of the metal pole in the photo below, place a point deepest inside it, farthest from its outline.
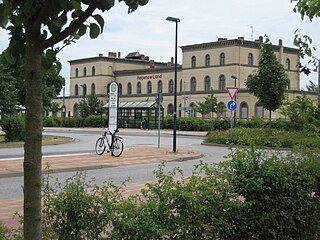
(175, 92)
(235, 99)
(318, 77)
(159, 102)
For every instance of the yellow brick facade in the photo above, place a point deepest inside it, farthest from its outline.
(204, 66)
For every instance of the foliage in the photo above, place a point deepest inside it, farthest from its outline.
(271, 81)
(300, 111)
(90, 106)
(14, 128)
(307, 8)
(281, 199)
(210, 105)
(265, 137)
(8, 98)
(255, 194)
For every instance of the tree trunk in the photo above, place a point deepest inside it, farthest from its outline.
(33, 138)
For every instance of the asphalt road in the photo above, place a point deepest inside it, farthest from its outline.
(84, 142)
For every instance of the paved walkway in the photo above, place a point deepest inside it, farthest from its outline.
(132, 155)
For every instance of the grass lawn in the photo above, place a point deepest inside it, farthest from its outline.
(47, 140)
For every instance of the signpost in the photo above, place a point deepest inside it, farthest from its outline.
(113, 107)
(232, 104)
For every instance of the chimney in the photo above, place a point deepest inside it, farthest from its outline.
(171, 63)
(100, 55)
(119, 54)
(151, 63)
(112, 54)
(142, 56)
(240, 38)
(280, 42)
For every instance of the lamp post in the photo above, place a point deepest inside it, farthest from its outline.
(235, 99)
(174, 145)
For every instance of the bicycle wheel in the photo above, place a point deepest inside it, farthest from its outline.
(117, 147)
(100, 146)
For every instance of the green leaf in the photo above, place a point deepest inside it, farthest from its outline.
(100, 20)
(94, 30)
(4, 15)
(82, 30)
(8, 56)
(76, 4)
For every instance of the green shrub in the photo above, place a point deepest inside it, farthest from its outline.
(282, 202)
(78, 209)
(49, 122)
(14, 128)
(266, 137)
(96, 121)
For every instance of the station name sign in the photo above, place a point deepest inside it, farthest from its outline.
(148, 77)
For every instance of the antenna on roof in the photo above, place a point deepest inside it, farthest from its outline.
(251, 37)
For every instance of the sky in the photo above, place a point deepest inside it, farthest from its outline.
(147, 31)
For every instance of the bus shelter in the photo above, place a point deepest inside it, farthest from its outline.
(144, 114)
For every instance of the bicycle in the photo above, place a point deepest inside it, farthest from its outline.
(115, 145)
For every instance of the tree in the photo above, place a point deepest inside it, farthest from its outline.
(210, 105)
(300, 111)
(52, 81)
(8, 98)
(36, 26)
(271, 81)
(309, 8)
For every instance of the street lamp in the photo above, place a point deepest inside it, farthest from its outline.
(235, 99)
(174, 145)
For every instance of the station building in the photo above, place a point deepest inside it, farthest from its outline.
(205, 66)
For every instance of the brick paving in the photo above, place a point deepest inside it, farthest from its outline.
(131, 155)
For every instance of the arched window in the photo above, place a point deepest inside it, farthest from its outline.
(244, 110)
(222, 82)
(149, 87)
(207, 60)
(84, 71)
(207, 84)
(84, 89)
(75, 110)
(179, 111)
(129, 88)
(171, 86)
(259, 110)
(93, 70)
(287, 64)
(77, 72)
(250, 59)
(120, 89)
(93, 88)
(138, 87)
(193, 84)
(193, 62)
(222, 110)
(170, 108)
(159, 86)
(76, 90)
(222, 59)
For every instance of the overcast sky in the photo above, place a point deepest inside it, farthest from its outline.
(147, 31)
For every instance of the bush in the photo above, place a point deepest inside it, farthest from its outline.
(256, 194)
(282, 201)
(14, 128)
(266, 137)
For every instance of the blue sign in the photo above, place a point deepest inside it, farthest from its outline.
(232, 105)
